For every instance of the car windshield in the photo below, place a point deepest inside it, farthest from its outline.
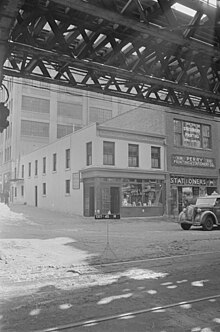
(205, 201)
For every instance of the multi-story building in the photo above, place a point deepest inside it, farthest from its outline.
(140, 163)
(117, 166)
(193, 152)
(42, 113)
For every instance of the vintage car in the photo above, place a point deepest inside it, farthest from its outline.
(205, 213)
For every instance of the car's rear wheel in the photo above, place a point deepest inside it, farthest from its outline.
(185, 226)
(208, 224)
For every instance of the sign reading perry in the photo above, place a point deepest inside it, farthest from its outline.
(191, 161)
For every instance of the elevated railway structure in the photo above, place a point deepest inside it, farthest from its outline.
(157, 51)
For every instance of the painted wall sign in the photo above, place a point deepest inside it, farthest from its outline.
(191, 161)
(192, 134)
(192, 181)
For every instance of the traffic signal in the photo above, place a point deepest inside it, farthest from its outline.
(4, 113)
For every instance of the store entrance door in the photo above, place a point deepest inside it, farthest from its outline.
(115, 201)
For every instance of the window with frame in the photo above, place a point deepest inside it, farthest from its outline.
(22, 190)
(133, 155)
(63, 130)
(44, 165)
(99, 114)
(206, 136)
(29, 169)
(36, 168)
(89, 153)
(44, 188)
(67, 184)
(34, 128)
(33, 104)
(192, 134)
(155, 157)
(69, 110)
(22, 171)
(67, 158)
(54, 162)
(108, 153)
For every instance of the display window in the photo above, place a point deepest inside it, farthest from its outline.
(136, 192)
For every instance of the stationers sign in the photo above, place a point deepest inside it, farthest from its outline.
(192, 181)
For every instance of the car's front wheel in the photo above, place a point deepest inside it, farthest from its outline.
(208, 224)
(185, 226)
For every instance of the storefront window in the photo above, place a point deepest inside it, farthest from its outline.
(141, 193)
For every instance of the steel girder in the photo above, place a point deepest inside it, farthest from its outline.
(141, 49)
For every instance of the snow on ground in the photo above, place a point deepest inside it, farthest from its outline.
(30, 264)
(26, 265)
(7, 215)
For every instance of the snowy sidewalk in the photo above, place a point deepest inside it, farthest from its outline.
(40, 248)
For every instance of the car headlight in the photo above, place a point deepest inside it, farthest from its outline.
(199, 210)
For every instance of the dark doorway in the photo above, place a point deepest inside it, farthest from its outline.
(36, 197)
(91, 201)
(115, 200)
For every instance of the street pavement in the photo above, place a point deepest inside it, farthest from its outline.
(127, 269)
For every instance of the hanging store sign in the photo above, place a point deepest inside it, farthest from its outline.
(191, 161)
(192, 181)
(76, 180)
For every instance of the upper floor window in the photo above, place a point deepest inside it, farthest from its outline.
(67, 158)
(29, 169)
(192, 135)
(34, 128)
(155, 157)
(44, 165)
(69, 110)
(54, 162)
(89, 153)
(99, 114)
(36, 167)
(108, 153)
(33, 104)
(63, 130)
(133, 155)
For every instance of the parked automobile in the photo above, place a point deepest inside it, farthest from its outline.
(205, 213)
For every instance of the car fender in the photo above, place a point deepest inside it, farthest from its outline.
(205, 214)
(182, 217)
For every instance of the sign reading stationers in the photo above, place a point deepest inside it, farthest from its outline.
(192, 161)
(192, 181)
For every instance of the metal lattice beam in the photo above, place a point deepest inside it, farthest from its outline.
(136, 49)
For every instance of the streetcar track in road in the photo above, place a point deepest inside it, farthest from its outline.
(98, 320)
(73, 269)
(156, 258)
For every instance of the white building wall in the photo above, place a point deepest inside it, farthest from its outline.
(121, 154)
(56, 197)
